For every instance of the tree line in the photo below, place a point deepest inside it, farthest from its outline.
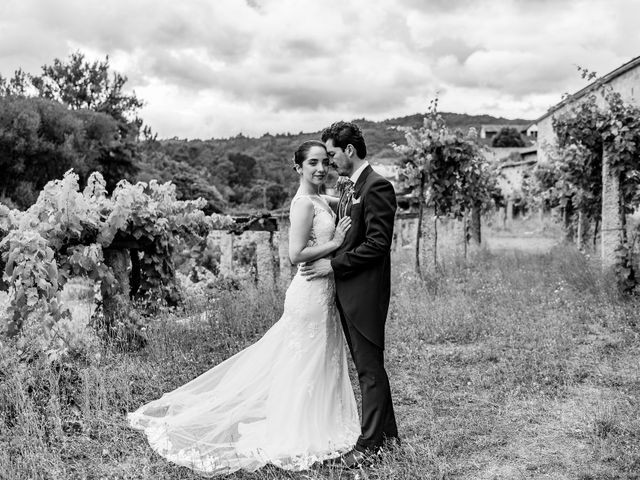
(76, 114)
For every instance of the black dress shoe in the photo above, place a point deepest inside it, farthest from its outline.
(391, 442)
(353, 459)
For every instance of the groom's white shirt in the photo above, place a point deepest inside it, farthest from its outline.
(356, 174)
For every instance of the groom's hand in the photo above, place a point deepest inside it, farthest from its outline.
(319, 268)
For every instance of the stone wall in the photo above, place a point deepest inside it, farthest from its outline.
(627, 84)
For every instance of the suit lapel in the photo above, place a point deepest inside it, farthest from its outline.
(361, 180)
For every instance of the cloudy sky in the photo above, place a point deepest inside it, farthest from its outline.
(214, 68)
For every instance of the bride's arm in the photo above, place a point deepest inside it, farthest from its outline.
(300, 232)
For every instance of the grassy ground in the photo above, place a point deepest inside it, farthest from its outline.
(512, 365)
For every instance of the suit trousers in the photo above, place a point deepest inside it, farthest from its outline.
(378, 419)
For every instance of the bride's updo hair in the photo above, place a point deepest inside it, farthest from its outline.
(301, 152)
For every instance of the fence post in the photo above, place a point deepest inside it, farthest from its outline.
(283, 250)
(458, 231)
(583, 229)
(265, 257)
(401, 234)
(509, 212)
(429, 241)
(396, 243)
(115, 298)
(475, 227)
(611, 214)
(226, 255)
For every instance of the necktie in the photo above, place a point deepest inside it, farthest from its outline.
(345, 198)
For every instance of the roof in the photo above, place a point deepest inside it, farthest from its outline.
(517, 164)
(630, 65)
(501, 156)
(502, 152)
(496, 128)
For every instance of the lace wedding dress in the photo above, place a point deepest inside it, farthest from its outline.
(285, 400)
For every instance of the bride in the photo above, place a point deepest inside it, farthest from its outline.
(287, 399)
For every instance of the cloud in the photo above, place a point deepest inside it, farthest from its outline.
(449, 46)
(218, 67)
(506, 71)
(185, 68)
(435, 6)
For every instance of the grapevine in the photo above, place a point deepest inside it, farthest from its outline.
(448, 171)
(573, 180)
(69, 232)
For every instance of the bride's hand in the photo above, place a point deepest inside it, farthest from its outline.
(341, 230)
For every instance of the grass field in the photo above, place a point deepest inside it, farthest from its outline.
(520, 363)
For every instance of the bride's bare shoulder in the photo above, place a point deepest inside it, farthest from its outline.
(331, 200)
(301, 205)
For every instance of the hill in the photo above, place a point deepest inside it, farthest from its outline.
(257, 172)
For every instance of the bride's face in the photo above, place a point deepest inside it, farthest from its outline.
(315, 167)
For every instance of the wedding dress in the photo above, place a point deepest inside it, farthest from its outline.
(285, 400)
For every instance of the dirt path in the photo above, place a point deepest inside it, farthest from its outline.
(528, 244)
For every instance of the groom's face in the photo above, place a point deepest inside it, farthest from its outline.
(339, 158)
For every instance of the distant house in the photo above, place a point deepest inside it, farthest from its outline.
(389, 171)
(532, 131)
(513, 163)
(511, 176)
(503, 154)
(624, 80)
(490, 131)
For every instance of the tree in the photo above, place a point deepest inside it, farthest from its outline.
(268, 195)
(36, 145)
(41, 139)
(507, 137)
(81, 84)
(191, 183)
(83, 119)
(106, 150)
(244, 166)
(18, 85)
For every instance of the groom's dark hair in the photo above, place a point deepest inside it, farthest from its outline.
(345, 133)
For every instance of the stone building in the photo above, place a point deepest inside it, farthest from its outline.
(624, 80)
(532, 131)
(512, 172)
(388, 170)
(514, 163)
(504, 154)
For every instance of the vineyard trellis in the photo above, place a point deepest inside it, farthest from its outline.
(449, 174)
(595, 171)
(125, 243)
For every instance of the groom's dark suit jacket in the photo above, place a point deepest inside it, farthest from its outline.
(362, 265)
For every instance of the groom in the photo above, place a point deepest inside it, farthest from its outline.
(361, 267)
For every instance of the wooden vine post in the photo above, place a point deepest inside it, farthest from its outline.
(265, 258)
(426, 236)
(226, 255)
(282, 237)
(612, 225)
(475, 227)
(115, 297)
